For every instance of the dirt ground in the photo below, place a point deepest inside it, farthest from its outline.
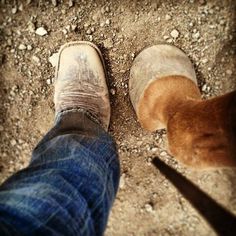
(147, 203)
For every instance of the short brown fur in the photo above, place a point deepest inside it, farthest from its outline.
(201, 133)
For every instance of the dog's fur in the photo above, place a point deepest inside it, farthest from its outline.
(201, 133)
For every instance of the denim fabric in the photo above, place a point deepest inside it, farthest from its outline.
(68, 187)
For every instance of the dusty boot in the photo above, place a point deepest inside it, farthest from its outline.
(164, 94)
(80, 81)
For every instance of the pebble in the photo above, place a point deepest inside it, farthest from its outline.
(107, 9)
(13, 142)
(205, 88)
(73, 27)
(64, 31)
(68, 28)
(108, 22)
(154, 149)
(148, 208)
(41, 31)
(48, 81)
(29, 47)
(108, 43)
(169, 40)
(31, 26)
(89, 31)
(54, 3)
(113, 91)
(168, 17)
(196, 35)
(53, 59)
(14, 10)
(174, 33)
(204, 61)
(22, 47)
(35, 58)
(71, 3)
(21, 7)
(163, 154)
(229, 72)
(122, 181)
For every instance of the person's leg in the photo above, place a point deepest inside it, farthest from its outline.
(69, 185)
(73, 177)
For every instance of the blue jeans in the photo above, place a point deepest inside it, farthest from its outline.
(68, 187)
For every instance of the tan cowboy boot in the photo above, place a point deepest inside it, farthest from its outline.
(80, 81)
(164, 93)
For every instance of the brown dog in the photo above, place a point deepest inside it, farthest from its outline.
(164, 93)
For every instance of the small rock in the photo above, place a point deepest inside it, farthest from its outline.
(168, 17)
(31, 26)
(229, 72)
(68, 28)
(36, 59)
(113, 91)
(154, 149)
(53, 59)
(204, 61)
(122, 181)
(166, 37)
(14, 10)
(54, 3)
(86, 25)
(132, 55)
(64, 31)
(21, 7)
(29, 47)
(13, 142)
(48, 81)
(107, 9)
(204, 88)
(73, 27)
(89, 31)
(222, 22)
(108, 43)
(174, 33)
(22, 47)
(148, 208)
(71, 3)
(163, 154)
(196, 35)
(108, 22)
(169, 40)
(41, 31)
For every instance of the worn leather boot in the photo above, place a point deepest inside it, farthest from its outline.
(80, 81)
